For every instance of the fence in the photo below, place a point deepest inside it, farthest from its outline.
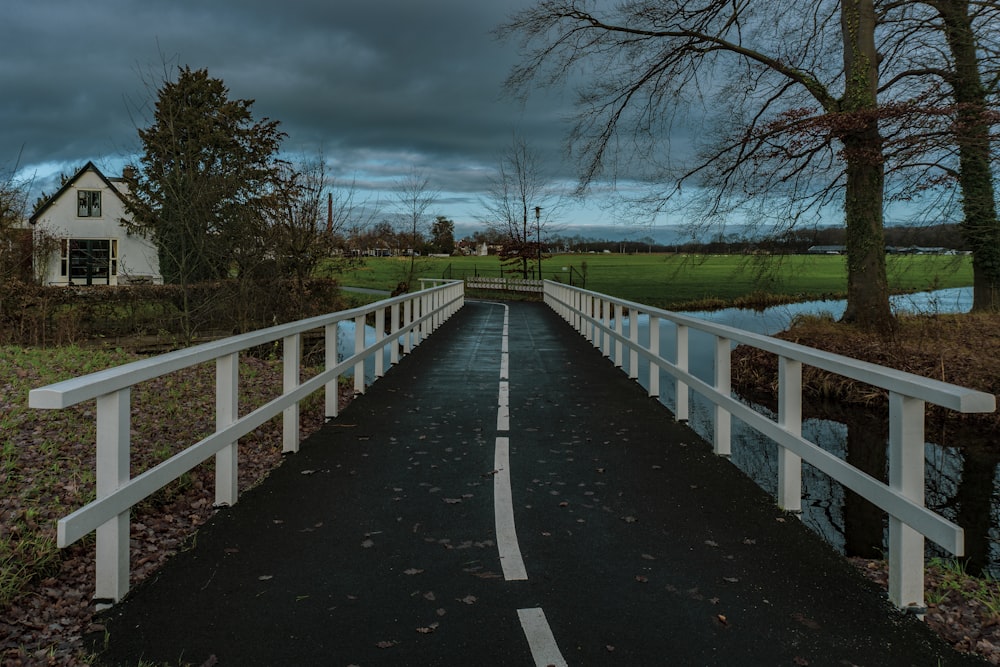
(602, 320)
(411, 318)
(503, 284)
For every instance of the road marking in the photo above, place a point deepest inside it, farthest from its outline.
(503, 418)
(543, 645)
(503, 509)
(503, 407)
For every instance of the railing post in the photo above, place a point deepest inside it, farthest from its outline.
(790, 419)
(633, 336)
(113, 443)
(654, 348)
(432, 311)
(906, 475)
(407, 321)
(619, 329)
(393, 329)
(379, 337)
(681, 388)
(587, 312)
(359, 347)
(332, 389)
(579, 299)
(227, 405)
(606, 327)
(595, 325)
(722, 423)
(416, 332)
(292, 346)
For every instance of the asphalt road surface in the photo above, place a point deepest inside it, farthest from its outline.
(504, 496)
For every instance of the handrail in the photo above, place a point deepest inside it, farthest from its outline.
(601, 319)
(412, 317)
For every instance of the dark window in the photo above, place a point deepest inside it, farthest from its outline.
(89, 261)
(88, 204)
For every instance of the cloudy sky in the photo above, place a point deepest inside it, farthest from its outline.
(380, 87)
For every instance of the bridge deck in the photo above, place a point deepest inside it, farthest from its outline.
(377, 543)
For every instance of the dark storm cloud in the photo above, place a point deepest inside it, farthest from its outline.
(377, 86)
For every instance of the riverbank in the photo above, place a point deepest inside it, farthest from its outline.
(962, 349)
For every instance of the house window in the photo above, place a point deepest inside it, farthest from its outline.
(88, 204)
(89, 261)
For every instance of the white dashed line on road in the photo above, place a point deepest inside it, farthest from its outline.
(510, 552)
(543, 645)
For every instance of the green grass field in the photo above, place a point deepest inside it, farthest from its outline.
(671, 281)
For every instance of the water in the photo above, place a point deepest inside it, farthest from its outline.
(963, 466)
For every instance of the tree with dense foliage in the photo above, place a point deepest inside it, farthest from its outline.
(205, 180)
(764, 65)
(442, 236)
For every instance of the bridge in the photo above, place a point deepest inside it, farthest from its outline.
(506, 492)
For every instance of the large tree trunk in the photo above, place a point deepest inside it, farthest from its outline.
(867, 285)
(972, 134)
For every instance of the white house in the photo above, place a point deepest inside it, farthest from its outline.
(95, 248)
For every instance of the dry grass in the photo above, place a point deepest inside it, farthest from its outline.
(960, 349)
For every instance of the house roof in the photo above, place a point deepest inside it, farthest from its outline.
(69, 184)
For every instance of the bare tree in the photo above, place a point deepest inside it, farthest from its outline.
(414, 196)
(944, 75)
(311, 215)
(15, 239)
(518, 204)
(803, 123)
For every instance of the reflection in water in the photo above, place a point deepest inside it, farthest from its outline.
(961, 469)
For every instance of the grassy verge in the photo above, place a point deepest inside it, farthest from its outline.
(687, 281)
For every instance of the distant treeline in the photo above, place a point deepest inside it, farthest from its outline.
(793, 241)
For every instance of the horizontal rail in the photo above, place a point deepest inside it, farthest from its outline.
(506, 284)
(412, 317)
(601, 319)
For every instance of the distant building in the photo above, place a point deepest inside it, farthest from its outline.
(86, 217)
(827, 250)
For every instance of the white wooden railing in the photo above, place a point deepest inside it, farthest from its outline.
(411, 318)
(601, 319)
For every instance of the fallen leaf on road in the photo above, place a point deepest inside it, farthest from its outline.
(367, 544)
(412, 571)
(469, 599)
(386, 644)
